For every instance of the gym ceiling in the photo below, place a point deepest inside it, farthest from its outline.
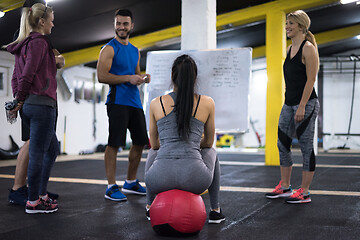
(83, 26)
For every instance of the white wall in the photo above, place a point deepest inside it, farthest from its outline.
(80, 116)
(338, 89)
(7, 65)
(257, 106)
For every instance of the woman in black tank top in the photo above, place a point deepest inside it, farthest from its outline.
(300, 109)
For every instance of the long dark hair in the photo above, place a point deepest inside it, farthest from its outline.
(183, 76)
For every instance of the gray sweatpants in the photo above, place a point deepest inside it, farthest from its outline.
(190, 175)
(304, 131)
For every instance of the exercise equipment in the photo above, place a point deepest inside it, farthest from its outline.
(224, 140)
(11, 153)
(177, 213)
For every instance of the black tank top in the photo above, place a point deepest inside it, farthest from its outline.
(295, 78)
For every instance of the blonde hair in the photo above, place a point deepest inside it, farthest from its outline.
(301, 18)
(30, 18)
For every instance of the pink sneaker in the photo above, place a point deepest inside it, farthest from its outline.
(41, 206)
(279, 192)
(299, 197)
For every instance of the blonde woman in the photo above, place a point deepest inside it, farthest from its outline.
(300, 109)
(34, 86)
(18, 193)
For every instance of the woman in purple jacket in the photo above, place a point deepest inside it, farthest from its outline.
(34, 86)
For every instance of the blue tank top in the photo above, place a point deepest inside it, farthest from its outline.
(125, 61)
(171, 145)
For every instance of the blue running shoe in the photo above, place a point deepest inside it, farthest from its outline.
(134, 188)
(114, 194)
(19, 196)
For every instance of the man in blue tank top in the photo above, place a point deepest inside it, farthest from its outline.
(119, 66)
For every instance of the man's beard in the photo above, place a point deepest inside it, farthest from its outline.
(122, 37)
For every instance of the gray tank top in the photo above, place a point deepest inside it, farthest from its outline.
(171, 145)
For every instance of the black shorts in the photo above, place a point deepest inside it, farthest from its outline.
(123, 117)
(25, 129)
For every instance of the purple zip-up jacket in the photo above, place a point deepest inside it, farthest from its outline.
(35, 68)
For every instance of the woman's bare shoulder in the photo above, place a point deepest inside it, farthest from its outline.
(207, 99)
(154, 100)
(207, 102)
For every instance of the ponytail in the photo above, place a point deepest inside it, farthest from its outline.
(30, 17)
(311, 38)
(184, 74)
(25, 28)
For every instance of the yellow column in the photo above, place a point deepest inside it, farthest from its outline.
(275, 56)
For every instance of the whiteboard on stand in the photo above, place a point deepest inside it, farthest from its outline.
(223, 74)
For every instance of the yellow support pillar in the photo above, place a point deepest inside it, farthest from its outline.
(275, 56)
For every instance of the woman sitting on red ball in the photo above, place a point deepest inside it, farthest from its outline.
(182, 129)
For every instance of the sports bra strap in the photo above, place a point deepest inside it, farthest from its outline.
(197, 105)
(162, 105)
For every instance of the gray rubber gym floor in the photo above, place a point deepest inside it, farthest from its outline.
(84, 213)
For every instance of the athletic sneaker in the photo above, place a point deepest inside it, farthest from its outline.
(280, 192)
(215, 217)
(49, 200)
(41, 206)
(114, 194)
(53, 196)
(148, 214)
(299, 197)
(134, 188)
(19, 196)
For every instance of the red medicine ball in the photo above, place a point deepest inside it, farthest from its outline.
(177, 213)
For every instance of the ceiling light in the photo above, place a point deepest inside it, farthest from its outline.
(347, 1)
(1, 14)
(47, 1)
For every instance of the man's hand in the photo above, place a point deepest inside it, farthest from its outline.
(136, 79)
(147, 78)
